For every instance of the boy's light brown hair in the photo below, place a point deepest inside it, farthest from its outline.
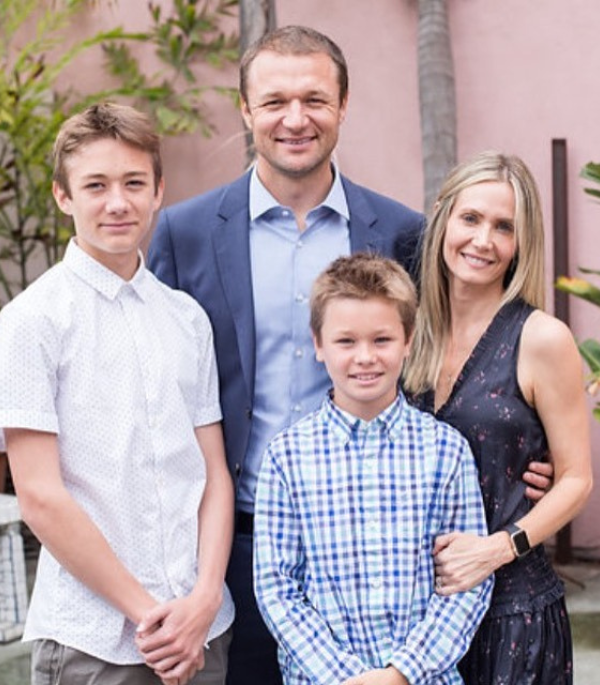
(105, 120)
(362, 276)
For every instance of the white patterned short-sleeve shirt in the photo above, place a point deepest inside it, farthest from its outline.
(122, 372)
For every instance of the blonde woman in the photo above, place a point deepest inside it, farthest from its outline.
(488, 360)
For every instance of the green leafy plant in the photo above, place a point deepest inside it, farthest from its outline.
(591, 172)
(585, 290)
(189, 36)
(33, 233)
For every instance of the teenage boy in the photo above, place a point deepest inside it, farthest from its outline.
(351, 499)
(110, 412)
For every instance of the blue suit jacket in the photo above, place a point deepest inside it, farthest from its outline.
(202, 246)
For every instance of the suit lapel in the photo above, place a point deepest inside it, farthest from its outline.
(364, 236)
(232, 249)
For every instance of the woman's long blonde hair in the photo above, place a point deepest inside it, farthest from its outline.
(525, 278)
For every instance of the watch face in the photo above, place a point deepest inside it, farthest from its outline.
(521, 542)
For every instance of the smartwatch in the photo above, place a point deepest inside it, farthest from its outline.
(518, 540)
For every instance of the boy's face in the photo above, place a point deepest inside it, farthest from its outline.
(112, 201)
(363, 346)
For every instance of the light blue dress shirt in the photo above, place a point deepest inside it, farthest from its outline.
(285, 261)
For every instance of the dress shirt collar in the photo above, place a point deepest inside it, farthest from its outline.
(261, 200)
(348, 426)
(99, 277)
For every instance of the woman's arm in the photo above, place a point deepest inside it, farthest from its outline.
(550, 374)
(551, 377)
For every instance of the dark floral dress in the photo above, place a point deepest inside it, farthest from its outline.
(525, 637)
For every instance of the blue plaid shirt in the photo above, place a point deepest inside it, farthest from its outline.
(346, 515)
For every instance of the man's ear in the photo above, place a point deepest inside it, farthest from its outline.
(61, 196)
(246, 114)
(343, 109)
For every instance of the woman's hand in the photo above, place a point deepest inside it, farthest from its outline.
(463, 560)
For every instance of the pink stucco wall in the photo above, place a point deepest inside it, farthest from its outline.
(526, 72)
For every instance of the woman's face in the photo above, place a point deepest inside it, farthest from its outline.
(480, 241)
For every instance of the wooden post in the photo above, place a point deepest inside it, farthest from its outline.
(560, 225)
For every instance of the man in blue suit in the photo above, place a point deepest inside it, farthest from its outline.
(249, 252)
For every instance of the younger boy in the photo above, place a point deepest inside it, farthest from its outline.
(351, 499)
(110, 410)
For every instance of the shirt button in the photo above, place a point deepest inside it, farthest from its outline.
(376, 583)
(298, 353)
(300, 298)
(299, 244)
(297, 408)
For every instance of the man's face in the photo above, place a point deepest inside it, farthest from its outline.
(112, 200)
(294, 112)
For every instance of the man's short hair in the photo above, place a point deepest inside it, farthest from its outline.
(295, 40)
(362, 276)
(100, 121)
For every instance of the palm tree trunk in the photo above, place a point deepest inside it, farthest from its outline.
(437, 96)
(257, 17)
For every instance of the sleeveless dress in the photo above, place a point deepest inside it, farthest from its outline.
(525, 636)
